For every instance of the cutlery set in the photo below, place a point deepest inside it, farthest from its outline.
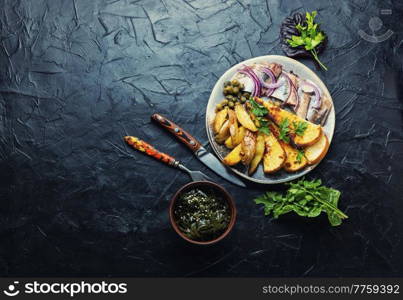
(193, 144)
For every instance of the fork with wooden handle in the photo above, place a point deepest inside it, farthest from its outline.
(146, 148)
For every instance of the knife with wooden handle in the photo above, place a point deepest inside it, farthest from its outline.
(201, 153)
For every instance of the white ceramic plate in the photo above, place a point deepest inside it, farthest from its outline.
(216, 97)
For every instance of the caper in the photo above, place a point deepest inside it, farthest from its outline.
(235, 90)
(235, 82)
(224, 102)
(231, 104)
(229, 97)
(247, 95)
(229, 90)
(218, 106)
(243, 99)
(227, 83)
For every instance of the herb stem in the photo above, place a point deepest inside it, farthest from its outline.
(338, 211)
(316, 57)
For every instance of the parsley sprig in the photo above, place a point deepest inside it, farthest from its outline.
(310, 36)
(305, 198)
(300, 127)
(284, 130)
(300, 155)
(260, 112)
(257, 109)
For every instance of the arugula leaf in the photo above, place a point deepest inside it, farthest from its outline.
(300, 127)
(284, 130)
(310, 36)
(305, 198)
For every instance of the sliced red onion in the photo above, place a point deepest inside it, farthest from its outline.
(248, 71)
(292, 87)
(317, 102)
(271, 87)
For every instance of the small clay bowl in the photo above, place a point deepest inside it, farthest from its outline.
(219, 190)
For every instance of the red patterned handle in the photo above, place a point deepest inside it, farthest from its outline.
(149, 150)
(181, 134)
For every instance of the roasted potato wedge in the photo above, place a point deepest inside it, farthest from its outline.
(232, 142)
(228, 143)
(248, 147)
(312, 133)
(244, 118)
(258, 154)
(275, 156)
(292, 164)
(295, 160)
(219, 120)
(239, 136)
(234, 156)
(316, 152)
(223, 134)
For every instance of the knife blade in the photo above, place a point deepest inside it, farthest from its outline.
(201, 153)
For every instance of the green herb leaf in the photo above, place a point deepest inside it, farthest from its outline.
(310, 36)
(257, 109)
(300, 127)
(284, 130)
(264, 130)
(305, 198)
(300, 155)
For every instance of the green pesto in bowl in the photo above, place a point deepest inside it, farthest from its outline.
(201, 214)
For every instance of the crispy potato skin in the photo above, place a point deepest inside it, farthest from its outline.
(317, 152)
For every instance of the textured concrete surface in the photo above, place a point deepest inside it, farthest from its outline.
(76, 76)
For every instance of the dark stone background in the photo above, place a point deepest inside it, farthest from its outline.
(76, 76)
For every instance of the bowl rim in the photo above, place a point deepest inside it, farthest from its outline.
(227, 197)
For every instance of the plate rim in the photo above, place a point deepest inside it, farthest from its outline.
(292, 176)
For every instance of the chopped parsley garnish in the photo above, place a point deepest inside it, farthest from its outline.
(300, 127)
(300, 155)
(284, 130)
(257, 109)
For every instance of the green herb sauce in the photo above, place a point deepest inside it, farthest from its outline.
(201, 214)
